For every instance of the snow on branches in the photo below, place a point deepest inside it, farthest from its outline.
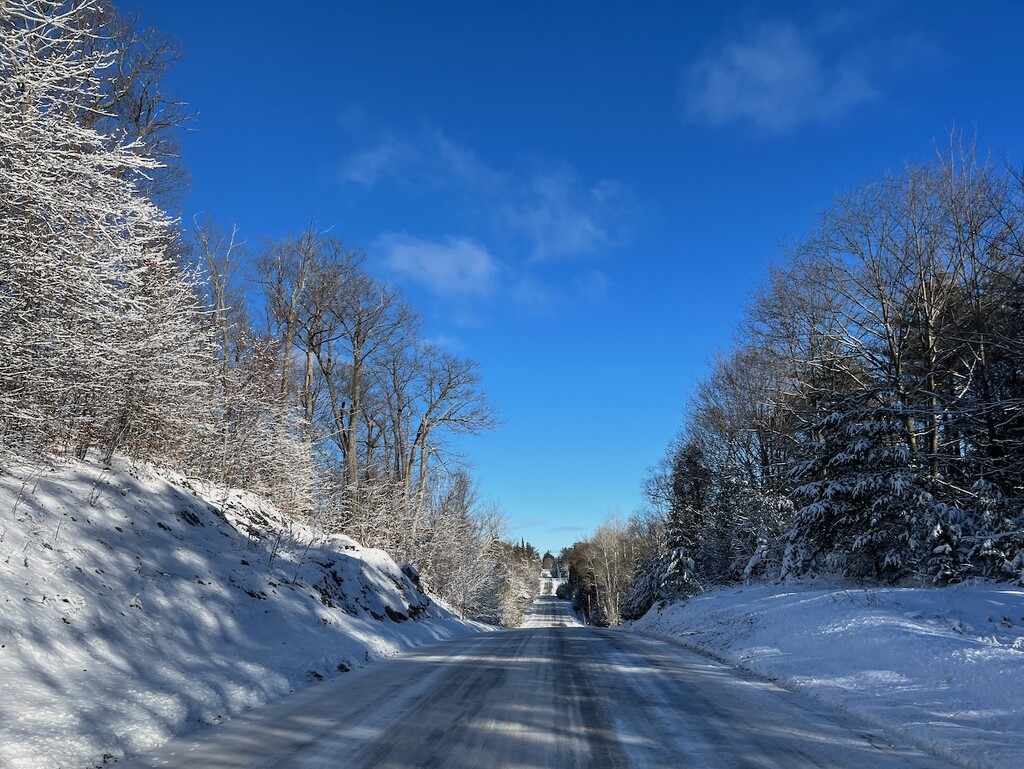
(98, 322)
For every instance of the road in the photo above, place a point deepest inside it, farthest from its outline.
(552, 694)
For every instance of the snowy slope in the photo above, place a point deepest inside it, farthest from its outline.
(135, 605)
(942, 668)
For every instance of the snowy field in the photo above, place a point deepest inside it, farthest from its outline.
(941, 668)
(135, 606)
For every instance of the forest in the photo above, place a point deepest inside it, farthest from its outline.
(284, 368)
(868, 421)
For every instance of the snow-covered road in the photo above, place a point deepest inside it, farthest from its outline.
(548, 611)
(542, 697)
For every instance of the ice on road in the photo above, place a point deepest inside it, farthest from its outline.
(551, 694)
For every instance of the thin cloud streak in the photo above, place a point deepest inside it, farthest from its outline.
(368, 165)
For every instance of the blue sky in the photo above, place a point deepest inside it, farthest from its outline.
(579, 195)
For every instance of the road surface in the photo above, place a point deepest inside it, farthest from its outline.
(549, 695)
(548, 611)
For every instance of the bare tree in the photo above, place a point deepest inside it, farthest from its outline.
(132, 102)
(450, 399)
(371, 318)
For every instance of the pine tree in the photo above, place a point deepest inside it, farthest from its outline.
(865, 508)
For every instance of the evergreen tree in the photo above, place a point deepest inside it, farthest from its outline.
(865, 507)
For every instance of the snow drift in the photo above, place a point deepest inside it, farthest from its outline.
(942, 668)
(137, 605)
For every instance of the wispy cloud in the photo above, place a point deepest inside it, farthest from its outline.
(526, 235)
(454, 268)
(460, 165)
(778, 77)
(547, 209)
(561, 217)
(368, 165)
(448, 343)
(423, 158)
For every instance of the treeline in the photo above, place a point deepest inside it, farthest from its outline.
(513, 585)
(869, 421)
(601, 568)
(336, 406)
(124, 334)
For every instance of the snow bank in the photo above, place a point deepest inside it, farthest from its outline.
(941, 668)
(136, 605)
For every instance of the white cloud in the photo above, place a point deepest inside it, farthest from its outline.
(776, 78)
(451, 267)
(424, 158)
(369, 164)
(560, 216)
(511, 229)
(549, 208)
(451, 344)
(460, 165)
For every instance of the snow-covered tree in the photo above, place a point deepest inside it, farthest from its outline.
(871, 417)
(864, 509)
(98, 322)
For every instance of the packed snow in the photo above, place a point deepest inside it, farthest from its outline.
(137, 605)
(549, 611)
(549, 585)
(941, 668)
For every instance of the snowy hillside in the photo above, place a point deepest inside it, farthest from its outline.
(942, 668)
(136, 605)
